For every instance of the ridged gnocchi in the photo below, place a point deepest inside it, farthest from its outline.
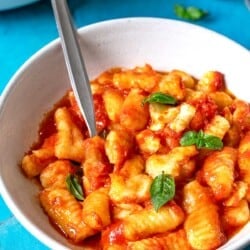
(169, 168)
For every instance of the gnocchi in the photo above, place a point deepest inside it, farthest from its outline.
(169, 168)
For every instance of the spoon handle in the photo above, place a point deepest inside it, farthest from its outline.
(76, 68)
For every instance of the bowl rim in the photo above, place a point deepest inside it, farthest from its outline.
(27, 224)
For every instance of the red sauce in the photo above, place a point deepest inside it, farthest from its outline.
(102, 119)
(114, 234)
(47, 126)
(206, 109)
(219, 82)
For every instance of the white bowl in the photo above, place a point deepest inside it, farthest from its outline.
(42, 80)
(10, 4)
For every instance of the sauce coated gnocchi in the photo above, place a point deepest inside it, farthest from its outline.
(150, 124)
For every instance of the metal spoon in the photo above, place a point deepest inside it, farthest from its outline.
(76, 68)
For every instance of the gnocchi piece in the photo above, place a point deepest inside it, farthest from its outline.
(160, 115)
(106, 77)
(239, 193)
(172, 84)
(244, 159)
(211, 81)
(236, 216)
(142, 77)
(132, 166)
(192, 95)
(232, 137)
(70, 141)
(195, 196)
(170, 163)
(203, 228)
(66, 213)
(218, 172)
(96, 210)
(134, 189)
(97, 89)
(134, 116)
(149, 222)
(174, 241)
(122, 210)
(118, 146)
(37, 160)
(218, 126)
(145, 223)
(115, 247)
(222, 99)
(241, 114)
(96, 167)
(148, 142)
(187, 170)
(148, 243)
(182, 120)
(177, 240)
(186, 79)
(113, 101)
(55, 174)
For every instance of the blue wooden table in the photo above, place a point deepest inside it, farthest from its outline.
(25, 30)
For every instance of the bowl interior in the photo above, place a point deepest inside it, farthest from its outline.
(42, 80)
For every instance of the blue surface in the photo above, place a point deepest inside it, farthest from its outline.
(25, 30)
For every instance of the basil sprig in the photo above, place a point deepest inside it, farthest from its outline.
(189, 13)
(162, 190)
(159, 97)
(74, 187)
(201, 140)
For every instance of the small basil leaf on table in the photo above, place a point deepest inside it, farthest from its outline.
(162, 190)
(189, 13)
(74, 187)
(159, 97)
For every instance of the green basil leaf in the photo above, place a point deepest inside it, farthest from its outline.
(189, 138)
(189, 13)
(212, 142)
(159, 97)
(162, 190)
(201, 140)
(196, 13)
(180, 11)
(74, 187)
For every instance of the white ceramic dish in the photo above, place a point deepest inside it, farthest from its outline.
(42, 80)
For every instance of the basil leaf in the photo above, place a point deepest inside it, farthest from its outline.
(196, 13)
(74, 187)
(180, 11)
(162, 190)
(201, 140)
(159, 97)
(189, 13)
(189, 138)
(212, 142)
